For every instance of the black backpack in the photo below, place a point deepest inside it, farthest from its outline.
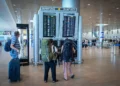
(67, 49)
(7, 47)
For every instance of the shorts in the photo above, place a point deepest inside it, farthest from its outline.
(67, 59)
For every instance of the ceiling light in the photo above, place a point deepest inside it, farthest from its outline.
(88, 4)
(31, 20)
(117, 8)
(101, 13)
(101, 24)
(53, 0)
(16, 11)
(14, 5)
(110, 14)
(90, 17)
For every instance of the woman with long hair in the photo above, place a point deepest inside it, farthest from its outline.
(67, 54)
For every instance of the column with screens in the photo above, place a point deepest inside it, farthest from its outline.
(58, 23)
(69, 25)
(69, 28)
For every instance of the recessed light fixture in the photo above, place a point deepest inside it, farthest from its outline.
(101, 24)
(110, 14)
(117, 8)
(16, 11)
(14, 5)
(88, 4)
(31, 20)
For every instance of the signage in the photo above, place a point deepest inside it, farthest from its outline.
(102, 34)
(5, 32)
(45, 8)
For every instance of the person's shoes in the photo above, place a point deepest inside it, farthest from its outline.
(19, 80)
(72, 76)
(55, 81)
(65, 79)
(10, 81)
(45, 81)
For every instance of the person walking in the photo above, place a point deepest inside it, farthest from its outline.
(119, 45)
(0, 46)
(67, 53)
(0, 43)
(86, 43)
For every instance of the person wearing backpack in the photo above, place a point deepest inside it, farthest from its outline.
(48, 53)
(67, 55)
(14, 64)
(15, 45)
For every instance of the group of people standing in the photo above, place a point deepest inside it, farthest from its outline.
(50, 53)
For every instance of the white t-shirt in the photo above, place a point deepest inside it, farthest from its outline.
(86, 41)
(53, 49)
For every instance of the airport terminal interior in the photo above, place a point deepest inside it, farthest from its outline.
(92, 25)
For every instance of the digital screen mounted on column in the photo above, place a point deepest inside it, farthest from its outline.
(49, 25)
(69, 26)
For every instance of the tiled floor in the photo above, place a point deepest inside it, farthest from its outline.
(100, 68)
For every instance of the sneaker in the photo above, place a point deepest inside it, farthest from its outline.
(55, 81)
(65, 79)
(72, 76)
(45, 81)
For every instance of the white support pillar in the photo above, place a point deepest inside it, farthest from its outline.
(79, 43)
(36, 39)
(101, 32)
(71, 3)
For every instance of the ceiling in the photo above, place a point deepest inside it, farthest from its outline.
(7, 22)
(89, 10)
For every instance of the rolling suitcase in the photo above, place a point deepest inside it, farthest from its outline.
(14, 70)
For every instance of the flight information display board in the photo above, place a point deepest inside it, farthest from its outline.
(49, 25)
(58, 22)
(69, 26)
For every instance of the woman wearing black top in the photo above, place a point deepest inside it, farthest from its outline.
(67, 54)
